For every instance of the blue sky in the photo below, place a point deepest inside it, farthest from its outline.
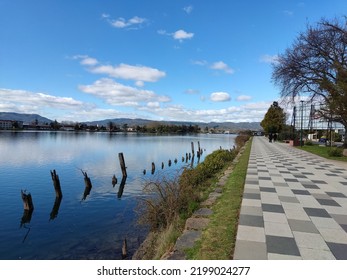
(181, 60)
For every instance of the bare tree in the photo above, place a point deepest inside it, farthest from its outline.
(316, 66)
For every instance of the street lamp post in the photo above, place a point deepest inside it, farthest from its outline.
(302, 118)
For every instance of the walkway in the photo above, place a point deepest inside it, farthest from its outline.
(294, 205)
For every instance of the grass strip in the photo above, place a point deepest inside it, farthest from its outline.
(218, 239)
(321, 151)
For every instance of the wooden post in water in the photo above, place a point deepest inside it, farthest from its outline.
(192, 143)
(162, 165)
(56, 184)
(153, 168)
(169, 163)
(27, 201)
(122, 164)
(199, 150)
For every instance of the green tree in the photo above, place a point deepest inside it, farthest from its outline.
(274, 119)
(316, 66)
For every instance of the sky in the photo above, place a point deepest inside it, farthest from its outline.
(171, 60)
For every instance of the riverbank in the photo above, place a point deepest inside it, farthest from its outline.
(196, 188)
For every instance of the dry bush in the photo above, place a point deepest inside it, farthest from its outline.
(241, 140)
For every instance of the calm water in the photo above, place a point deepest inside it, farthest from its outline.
(77, 228)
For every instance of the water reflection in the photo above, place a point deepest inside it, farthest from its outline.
(121, 187)
(88, 185)
(55, 209)
(32, 155)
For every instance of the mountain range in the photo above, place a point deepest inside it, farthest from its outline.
(232, 126)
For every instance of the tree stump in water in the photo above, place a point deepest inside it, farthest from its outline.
(27, 201)
(56, 184)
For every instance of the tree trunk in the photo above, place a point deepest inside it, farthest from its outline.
(345, 138)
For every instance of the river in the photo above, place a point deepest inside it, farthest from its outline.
(83, 227)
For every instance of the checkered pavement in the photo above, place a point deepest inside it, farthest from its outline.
(294, 205)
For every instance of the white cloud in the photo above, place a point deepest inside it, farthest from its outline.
(220, 96)
(153, 104)
(266, 58)
(138, 73)
(182, 35)
(243, 98)
(199, 62)
(117, 94)
(89, 61)
(27, 98)
(179, 35)
(188, 9)
(191, 91)
(130, 72)
(98, 114)
(23, 101)
(220, 65)
(85, 60)
(134, 22)
(288, 13)
(246, 113)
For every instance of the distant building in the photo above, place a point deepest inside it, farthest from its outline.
(9, 124)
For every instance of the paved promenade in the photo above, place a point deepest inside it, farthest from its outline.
(294, 205)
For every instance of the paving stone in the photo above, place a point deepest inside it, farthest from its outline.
(294, 206)
(203, 212)
(187, 240)
(196, 223)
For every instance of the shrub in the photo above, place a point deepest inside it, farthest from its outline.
(167, 198)
(308, 143)
(241, 140)
(335, 152)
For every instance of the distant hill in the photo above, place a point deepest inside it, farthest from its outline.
(231, 126)
(26, 118)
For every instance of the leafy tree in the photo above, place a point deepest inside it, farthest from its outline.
(316, 65)
(274, 119)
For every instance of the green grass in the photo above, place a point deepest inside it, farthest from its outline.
(321, 151)
(218, 239)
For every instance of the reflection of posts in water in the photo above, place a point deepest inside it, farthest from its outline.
(28, 211)
(114, 180)
(56, 184)
(26, 218)
(121, 187)
(88, 185)
(55, 209)
(153, 168)
(124, 249)
(192, 162)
